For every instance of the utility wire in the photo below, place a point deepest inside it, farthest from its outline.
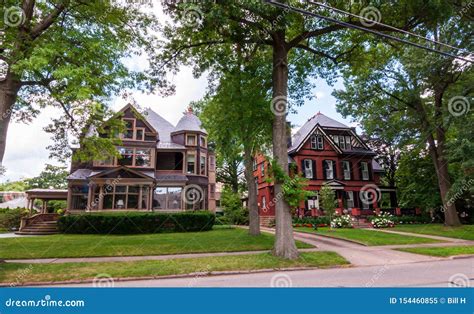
(349, 25)
(384, 25)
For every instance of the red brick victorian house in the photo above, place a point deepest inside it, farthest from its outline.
(326, 151)
(162, 168)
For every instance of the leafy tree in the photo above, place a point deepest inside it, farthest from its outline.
(300, 49)
(388, 156)
(419, 99)
(328, 200)
(229, 167)
(234, 212)
(52, 177)
(70, 54)
(416, 180)
(230, 115)
(20, 186)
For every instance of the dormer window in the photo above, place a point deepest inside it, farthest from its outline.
(191, 140)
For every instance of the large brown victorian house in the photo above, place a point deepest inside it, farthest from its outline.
(328, 152)
(161, 168)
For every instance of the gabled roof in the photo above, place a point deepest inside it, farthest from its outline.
(138, 115)
(142, 174)
(160, 124)
(309, 126)
(189, 122)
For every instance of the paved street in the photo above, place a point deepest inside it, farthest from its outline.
(422, 274)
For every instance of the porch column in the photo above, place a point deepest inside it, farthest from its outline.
(89, 199)
(69, 198)
(101, 197)
(150, 198)
(43, 209)
(140, 196)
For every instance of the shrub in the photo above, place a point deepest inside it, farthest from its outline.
(384, 220)
(344, 221)
(134, 223)
(319, 221)
(405, 220)
(10, 218)
(234, 212)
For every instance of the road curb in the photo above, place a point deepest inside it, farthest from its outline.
(190, 275)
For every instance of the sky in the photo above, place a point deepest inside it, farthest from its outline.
(26, 154)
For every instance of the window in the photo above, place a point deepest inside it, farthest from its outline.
(254, 164)
(202, 165)
(212, 191)
(342, 142)
(191, 163)
(364, 167)
(135, 157)
(329, 169)
(79, 195)
(167, 198)
(203, 141)
(190, 139)
(335, 138)
(308, 168)
(140, 134)
(129, 127)
(127, 156)
(348, 143)
(212, 163)
(317, 142)
(124, 197)
(262, 169)
(313, 202)
(346, 167)
(110, 161)
(142, 158)
(349, 199)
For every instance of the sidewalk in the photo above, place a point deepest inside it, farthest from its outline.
(421, 235)
(135, 258)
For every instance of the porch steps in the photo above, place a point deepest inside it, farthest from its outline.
(40, 228)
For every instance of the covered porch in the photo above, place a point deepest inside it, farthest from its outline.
(44, 195)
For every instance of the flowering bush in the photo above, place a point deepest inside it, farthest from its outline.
(344, 221)
(384, 220)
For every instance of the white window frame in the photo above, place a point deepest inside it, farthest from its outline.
(308, 170)
(347, 172)
(342, 142)
(331, 169)
(350, 199)
(365, 170)
(262, 169)
(348, 142)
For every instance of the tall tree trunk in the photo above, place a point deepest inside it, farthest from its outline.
(254, 219)
(8, 91)
(285, 246)
(451, 217)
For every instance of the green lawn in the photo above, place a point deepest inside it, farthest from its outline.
(463, 232)
(367, 237)
(9, 272)
(441, 251)
(61, 245)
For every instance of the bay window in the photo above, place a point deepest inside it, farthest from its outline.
(191, 140)
(135, 157)
(202, 165)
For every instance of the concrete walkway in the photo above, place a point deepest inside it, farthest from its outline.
(420, 235)
(135, 258)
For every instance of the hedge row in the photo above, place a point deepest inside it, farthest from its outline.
(135, 223)
(318, 220)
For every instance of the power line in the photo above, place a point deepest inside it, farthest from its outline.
(384, 25)
(349, 25)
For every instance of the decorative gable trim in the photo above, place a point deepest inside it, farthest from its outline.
(318, 128)
(139, 174)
